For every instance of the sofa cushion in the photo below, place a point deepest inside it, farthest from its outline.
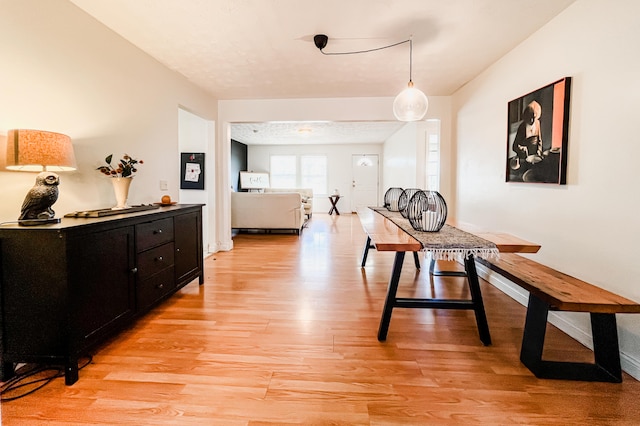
(306, 195)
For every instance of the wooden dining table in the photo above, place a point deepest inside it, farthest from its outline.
(385, 235)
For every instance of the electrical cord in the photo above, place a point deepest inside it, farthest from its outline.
(22, 380)
(368, 50)
(320, 41)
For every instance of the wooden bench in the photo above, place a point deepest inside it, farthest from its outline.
(550, 290)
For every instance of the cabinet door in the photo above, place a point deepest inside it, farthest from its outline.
(34, 293)
(188, 245)
(102, 289)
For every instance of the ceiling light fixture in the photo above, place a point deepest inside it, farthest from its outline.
(411, 104)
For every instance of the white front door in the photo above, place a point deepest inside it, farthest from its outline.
(364, 188)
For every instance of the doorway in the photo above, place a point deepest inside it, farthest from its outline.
(364, 186)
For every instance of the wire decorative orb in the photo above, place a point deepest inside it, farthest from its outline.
(403, 201)
(392, 198)
(427, 211)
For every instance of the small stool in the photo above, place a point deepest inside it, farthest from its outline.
(334, 200)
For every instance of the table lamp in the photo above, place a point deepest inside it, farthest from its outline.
(45, 152)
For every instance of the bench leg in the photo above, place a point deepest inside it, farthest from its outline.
(391, 296)
(476, 297)
(535, 328)
(605, 344)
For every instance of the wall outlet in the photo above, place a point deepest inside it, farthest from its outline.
(163, 185)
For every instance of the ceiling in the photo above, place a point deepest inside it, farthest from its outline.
(314, 132)
(263, 49)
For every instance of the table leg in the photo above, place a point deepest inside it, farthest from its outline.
(435, 273)
(476, 297)
(391, 296)
(365, 253)
(334, 207)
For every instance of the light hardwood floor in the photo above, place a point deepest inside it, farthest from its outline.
(284, 332)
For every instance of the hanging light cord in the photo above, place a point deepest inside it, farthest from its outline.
(409, 40)
(411, 104)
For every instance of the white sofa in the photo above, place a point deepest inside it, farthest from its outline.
(268, 211)
(305, 193)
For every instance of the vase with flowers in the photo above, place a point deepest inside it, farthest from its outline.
(121, 175)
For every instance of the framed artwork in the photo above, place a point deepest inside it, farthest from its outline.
(192, 170)
(538, 135)
(253, 181)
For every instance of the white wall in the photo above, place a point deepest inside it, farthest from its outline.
(405, 153)
(339, 167)
(196, 134)
(588, 228)
(400, 157)
(63, 71)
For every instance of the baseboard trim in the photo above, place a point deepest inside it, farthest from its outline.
(629, 364)
(220, 246)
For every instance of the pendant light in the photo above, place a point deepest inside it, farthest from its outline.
(411, 104)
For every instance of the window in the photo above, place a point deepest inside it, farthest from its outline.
(432, 142)
(283, 171)
(306, 171)
(313, 173)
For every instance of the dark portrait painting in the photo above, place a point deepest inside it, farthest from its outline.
(537, 135)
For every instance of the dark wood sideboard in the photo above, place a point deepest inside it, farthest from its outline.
(65, 288)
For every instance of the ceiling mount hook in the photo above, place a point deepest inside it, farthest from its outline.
(320, 41)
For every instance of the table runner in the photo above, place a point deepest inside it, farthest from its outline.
(449, 243)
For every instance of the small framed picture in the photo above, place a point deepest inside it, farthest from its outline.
(191, 170)
(538, 135)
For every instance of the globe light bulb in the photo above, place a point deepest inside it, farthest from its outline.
(411, 104)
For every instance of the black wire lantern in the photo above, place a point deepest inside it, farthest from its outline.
(403, 201)
(427, 211)
(392, 198)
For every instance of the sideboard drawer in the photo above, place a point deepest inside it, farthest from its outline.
(150, 290)
(153, 234)
(153, 261)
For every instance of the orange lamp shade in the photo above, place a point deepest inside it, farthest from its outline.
(38, 150)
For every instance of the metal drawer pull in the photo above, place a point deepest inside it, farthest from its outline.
(160, 285)
(159, 258)
(159, 231)
(134, 270)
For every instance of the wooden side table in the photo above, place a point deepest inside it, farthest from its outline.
(334, 200)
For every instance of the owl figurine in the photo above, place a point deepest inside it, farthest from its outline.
(37, 204)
